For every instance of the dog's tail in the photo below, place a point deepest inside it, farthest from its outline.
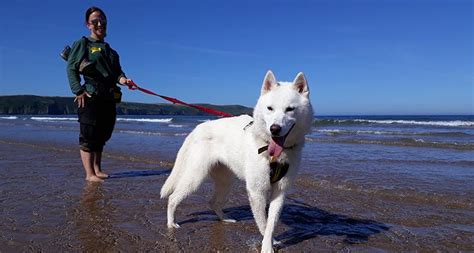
(170, 183)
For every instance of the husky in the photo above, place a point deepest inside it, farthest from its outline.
(264, 151)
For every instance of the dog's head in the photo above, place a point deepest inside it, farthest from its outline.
(284, 110)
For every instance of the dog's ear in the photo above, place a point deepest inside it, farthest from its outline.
(301, 85)
(269, 82)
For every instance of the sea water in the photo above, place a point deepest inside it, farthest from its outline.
(451, 138)
(443, 145)
(399, 183)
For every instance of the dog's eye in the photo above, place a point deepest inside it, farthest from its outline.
(289, 109)
(270, 108)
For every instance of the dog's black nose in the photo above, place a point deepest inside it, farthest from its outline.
(275, 129)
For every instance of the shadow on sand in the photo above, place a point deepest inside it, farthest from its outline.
(306, 222)
(141, 173)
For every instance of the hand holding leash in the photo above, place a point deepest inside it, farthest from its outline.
(128, 82)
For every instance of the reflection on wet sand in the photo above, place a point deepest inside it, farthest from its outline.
(218, 236)
(94, 227)
(45, 205)
(143, 173)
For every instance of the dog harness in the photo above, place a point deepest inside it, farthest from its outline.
(277, 169)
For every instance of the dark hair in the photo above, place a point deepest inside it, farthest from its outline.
(92, 10)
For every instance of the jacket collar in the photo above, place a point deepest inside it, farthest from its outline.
(95, 40)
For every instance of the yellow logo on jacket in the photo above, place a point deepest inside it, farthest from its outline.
(95, 49)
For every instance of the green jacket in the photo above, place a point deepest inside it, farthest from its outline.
(103, 71)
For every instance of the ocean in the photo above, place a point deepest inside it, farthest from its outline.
(410, 176)
(410, 143)
(449, 139)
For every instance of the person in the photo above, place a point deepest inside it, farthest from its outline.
(100, 68)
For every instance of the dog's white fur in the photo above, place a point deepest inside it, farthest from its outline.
(227, 148)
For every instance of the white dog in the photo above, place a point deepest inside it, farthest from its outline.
(264, 151)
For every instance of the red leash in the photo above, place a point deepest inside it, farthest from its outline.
(134, 86)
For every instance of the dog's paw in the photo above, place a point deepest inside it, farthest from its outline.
(267, 250)
(267, 247)
(229, 220)
(276, 242)
(173, 225)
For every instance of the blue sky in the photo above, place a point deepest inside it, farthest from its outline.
(360, 57)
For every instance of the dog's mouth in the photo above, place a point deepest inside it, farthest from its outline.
(276, 145)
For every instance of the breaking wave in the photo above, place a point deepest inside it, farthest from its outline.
(145, 120)
(9, 117)
(407, 142)
(454, 123)
(150, 133)
(335, 132)
(52, 119)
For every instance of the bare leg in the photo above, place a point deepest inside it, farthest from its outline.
(98, 165)
(88, 163)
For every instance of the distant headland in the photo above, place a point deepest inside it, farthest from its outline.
(42, 105)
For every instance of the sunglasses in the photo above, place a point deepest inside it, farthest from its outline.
(96, 21)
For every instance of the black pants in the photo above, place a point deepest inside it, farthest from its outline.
(97, 121)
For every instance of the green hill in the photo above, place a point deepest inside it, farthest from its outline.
(29, 104)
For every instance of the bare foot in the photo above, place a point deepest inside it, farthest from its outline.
(101, 175)
(94, 179)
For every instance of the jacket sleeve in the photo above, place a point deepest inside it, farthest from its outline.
(117, 67)
(78, 51)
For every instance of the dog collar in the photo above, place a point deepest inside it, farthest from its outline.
(265, 148)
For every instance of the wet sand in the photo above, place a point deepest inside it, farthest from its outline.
(45, 205)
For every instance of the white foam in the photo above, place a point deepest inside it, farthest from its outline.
(134, 132)
(374, 132)
(146, 120)
(180, 134)
(176, 126)
(455, 123)
(53, 119)
(9, 117)
(139, 132)
(329, 130)
(338, 131)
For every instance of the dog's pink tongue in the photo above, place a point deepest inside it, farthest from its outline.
(276, 146)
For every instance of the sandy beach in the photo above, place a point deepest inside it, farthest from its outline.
(47, 206)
